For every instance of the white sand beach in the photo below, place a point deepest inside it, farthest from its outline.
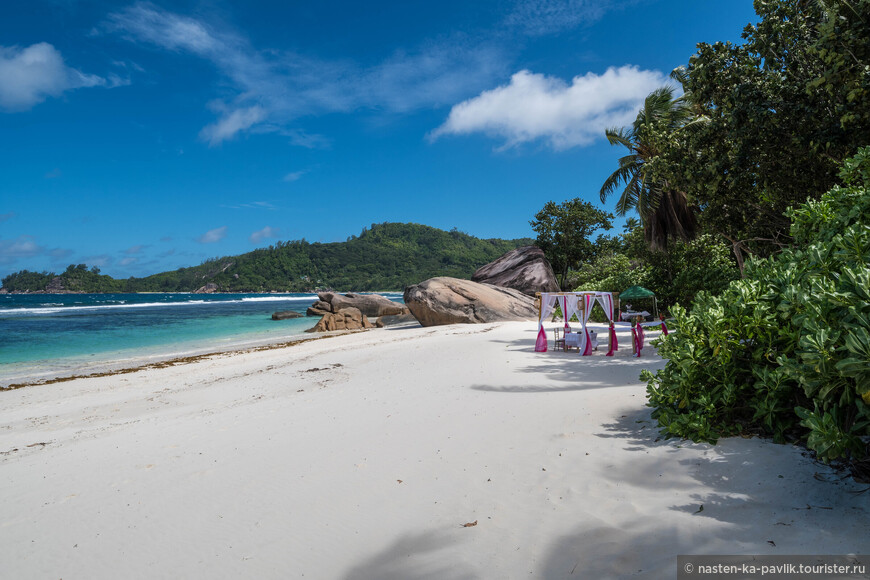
(439, 453)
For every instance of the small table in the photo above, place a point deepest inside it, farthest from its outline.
(631, 315)
(572, 340)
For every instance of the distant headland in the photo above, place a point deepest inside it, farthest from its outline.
(386, 256)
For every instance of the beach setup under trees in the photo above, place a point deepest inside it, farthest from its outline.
(640, 293)
(579, 304)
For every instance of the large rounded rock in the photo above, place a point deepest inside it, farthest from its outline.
(395, 319)
(344, 319)
(373, 305)
(452, 301)
(209, 288)
(525, 269)
(285, 314)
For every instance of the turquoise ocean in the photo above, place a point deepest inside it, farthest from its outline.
(49, 335)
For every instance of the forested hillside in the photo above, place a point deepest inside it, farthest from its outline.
(387, 256)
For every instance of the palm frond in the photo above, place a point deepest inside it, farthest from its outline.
(621, 175)
(621, 136)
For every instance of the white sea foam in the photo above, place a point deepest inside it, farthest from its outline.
(275, 299)
(53, 308)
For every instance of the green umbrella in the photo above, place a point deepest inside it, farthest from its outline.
(636, 292)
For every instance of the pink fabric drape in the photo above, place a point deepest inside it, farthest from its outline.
(541, 342)
(614, 344)
(638, 339)
(588, 349)
(664, 328)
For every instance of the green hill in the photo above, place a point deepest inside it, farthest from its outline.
(387, 256)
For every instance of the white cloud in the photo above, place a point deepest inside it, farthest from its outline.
(536, 107)
(276, 87)
(300, 138)
(60, 254)
(231, 123)
(30, 75)
(260, 235)
(252, 205)
(21, 247)
(213, 236)
(100, 261)
(144, 21)
(134, 250)
(540, 17)
(294, 176)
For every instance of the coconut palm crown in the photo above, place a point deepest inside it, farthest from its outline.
(664, 212)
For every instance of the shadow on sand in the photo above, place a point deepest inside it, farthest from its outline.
(414, 557)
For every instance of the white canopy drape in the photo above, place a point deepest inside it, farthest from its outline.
(571, 303)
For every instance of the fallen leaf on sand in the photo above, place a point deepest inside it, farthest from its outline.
(470, 524)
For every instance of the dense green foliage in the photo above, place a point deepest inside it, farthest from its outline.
(564, 233)
(676, 276)
(27, 281)
(785, 351)
(76, 278)
(386, 256)
(779, 112)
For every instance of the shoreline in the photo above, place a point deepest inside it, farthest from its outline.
(174, 360)
(438, 452)
(112, 332)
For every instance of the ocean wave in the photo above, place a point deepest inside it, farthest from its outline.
(56, 309)
(275, 299)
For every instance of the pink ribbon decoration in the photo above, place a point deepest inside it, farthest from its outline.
(640, 339)
(565, 311)
(613, 345)
(541, 342)
(588, 350)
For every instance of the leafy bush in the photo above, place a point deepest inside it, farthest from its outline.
(785, 351)
(675, 276)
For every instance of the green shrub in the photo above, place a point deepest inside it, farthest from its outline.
(785, 351)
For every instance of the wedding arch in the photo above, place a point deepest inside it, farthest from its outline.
(579, 303)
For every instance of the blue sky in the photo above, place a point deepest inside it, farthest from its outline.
(145, 136)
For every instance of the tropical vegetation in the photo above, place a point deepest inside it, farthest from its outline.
(784, 351)
(751, 196)
(564, 232)
(663, 209)
(387, 256)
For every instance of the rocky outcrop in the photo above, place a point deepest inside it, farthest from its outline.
(525, 269)
(285, 314)
(344, 319)
(55, 286)
(209, 288)
(373, 305)
(319, 308)
(394, 319)
(452, 301)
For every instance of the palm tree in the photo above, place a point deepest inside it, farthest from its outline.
(664, 212)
